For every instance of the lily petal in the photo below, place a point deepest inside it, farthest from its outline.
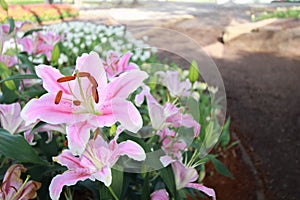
(66, 158)
(35, 110)
(66, 179)
(125, 84)
(131, 149)
(12, 178)
(78, 135)
(104, 175)
(127, 114)
(183, 175)
(156, 113)
(124, 64)
(161, 194)
(208, 191)
(49, 75)
(29, 190)
(92, 63)
(166, 160)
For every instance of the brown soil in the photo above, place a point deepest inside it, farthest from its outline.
(263, 102)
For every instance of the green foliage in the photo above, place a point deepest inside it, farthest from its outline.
(4, 5)
(220, 167)
(5, 73)
(293, 12)
(11, 25)
(17, 148)
(55, 54)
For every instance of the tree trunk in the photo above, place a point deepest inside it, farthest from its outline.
(48, 1)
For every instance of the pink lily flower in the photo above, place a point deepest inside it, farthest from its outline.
(161, 194)
(172, 146)
(47, 41)
(48, 128)
(18, 25)
(166, 115)
(171, 80)
(11, 120)
(185, 176)
(115, 65)
(8, 60)
(30, 44)
(13, 188)
(95, 163)
(40, 43)
(85, 101)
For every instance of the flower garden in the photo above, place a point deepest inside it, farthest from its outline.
(39, 12)
(91, 115)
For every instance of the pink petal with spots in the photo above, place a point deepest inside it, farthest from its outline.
(45, 110)
(66, 158)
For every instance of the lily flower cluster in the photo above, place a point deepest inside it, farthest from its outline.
(101, 110)
(86, 101)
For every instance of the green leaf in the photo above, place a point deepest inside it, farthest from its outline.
(20, 77)
(220, 167)
(28, 64)
(105, 193)
(17, 148)
(194, 72)
(8, 96)
(168, 177)
(117, 182)
(55, 54)
(146, 188)
(11, 25)
(5, 73)
(225, 136)
(193, 107)
(4, 5)
(32, 31)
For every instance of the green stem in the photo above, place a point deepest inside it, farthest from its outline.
(21, 188)
(113, 193)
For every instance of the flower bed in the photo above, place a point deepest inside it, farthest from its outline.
(39, 12)
(86, 107)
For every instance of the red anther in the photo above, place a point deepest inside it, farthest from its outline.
(93, 81)
(66, 79)
(83, 74)
(58, 97)
(95, 94)
(76, 102)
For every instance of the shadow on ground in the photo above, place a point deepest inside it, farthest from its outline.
(263, 101)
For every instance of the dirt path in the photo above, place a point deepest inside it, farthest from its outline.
(263, 95)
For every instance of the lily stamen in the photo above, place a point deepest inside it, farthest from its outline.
(95, 94)
(77, 102)
(66, 79)
(83, 74)
(58, 97)
(93, 81)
